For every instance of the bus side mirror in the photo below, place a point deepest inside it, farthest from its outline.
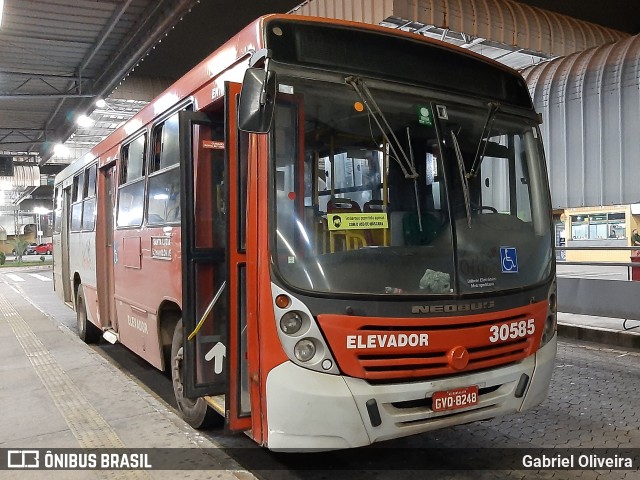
(257, 100)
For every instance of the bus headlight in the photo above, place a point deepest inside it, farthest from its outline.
(299, 333)
(304, 350)
(291, 322)
(551, 323)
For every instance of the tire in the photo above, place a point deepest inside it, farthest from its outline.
(87, 331)
(196, 412)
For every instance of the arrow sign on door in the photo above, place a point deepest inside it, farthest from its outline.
(217, 353)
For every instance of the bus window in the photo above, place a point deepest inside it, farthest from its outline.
(76, 193)
(57, 210)
(131, 190)
(164, 175)
(89, 202)
(132, 165)
(90, 182)
(76, 208)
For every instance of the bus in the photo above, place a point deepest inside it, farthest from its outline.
(331, 233)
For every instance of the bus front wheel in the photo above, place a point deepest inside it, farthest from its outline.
(195, 412)
(87, 331)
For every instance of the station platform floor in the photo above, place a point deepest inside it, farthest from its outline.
(58, 393)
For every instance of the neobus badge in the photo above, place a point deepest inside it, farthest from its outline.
(459, 307)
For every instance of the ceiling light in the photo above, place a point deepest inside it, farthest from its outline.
(84, 121)
(61, 151)
(1, 9)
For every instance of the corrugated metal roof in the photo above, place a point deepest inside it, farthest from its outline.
(590, 104)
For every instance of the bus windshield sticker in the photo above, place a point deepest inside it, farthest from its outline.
(509, 259)
(442, 112)
(357, 221)
(424, 116)
(213, 144)
(288, 89)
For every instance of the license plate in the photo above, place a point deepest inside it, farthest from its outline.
(454, 399)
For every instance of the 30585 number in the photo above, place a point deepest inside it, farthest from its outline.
(512, 330)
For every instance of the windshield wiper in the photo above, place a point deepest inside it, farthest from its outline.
(408, 168)
(484, 138)
(463, 176)
(412, 163)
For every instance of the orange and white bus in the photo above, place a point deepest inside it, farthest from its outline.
(332, 233)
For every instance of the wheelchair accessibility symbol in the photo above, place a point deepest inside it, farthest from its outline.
(509, 259)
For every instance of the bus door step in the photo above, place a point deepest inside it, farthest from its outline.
(111, 336)
(217, 403)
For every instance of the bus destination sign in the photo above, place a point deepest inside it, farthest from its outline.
(161, 248)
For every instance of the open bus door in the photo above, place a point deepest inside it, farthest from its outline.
(214, 276)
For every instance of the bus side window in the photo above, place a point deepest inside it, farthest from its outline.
(57, 210)
(76, 207)
(164, 176)
(89, 199)
(131, 189)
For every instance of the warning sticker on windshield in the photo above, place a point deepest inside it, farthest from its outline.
(424, 115)
(356, 221)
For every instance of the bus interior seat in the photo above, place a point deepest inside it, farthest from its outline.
(375, 206)
(414, 235)
(351, 240)
(405, 228)
(342, 205)
(376, 236)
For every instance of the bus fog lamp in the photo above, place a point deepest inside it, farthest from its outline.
(553, 303)
(290, 323)
(304, 350)
(549, 330)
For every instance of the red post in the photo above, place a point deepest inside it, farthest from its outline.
(635, 271)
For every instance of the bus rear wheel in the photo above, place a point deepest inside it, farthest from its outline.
(87, 331)
(196, 412)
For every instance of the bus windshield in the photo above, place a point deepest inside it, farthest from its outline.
(387, 191)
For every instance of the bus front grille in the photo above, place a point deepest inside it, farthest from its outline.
(383, 350)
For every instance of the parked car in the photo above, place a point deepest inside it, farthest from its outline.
(40, 249)
(29, 249)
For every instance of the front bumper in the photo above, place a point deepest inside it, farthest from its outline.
(308, 410)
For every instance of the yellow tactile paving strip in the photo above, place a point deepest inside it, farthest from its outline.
(87, 425)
